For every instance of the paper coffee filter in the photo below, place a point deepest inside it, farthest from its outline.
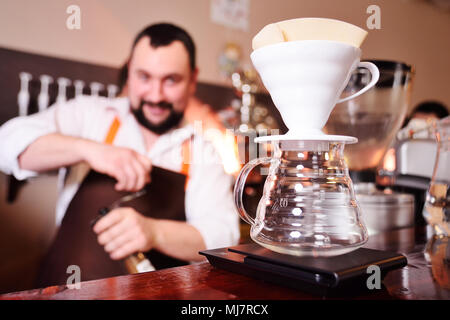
(309, 29)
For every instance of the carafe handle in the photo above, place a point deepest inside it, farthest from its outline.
(239, 187)
(375, 76)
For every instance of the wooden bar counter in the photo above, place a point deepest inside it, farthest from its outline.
(427, 276)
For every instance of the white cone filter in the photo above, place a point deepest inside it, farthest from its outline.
(305, 80)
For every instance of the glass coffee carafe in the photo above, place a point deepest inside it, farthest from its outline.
(308, 207)
(437, 206)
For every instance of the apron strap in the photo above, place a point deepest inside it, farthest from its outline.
(112, 131)
(186, 158)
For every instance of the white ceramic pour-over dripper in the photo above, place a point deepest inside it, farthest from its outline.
(305, 79)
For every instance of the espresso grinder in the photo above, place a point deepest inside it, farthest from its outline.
(375, 118)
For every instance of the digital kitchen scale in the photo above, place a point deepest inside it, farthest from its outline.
(347, 273)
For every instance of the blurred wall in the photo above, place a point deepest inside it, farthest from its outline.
(412, 31)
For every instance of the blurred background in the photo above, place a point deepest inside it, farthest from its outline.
(35, 41)
(413, 31)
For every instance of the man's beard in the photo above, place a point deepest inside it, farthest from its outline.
(172, 120)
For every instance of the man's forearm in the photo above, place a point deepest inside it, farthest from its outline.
(179, 240)
(51, 152)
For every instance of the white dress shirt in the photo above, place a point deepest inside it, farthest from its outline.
(208, 200)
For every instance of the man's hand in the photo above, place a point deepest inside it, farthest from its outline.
(128, 167)
(124, 231)
(53, 151)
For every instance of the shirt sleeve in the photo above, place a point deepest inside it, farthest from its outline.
(18, 133)
(209, 202)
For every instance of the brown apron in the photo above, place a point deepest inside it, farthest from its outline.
(76, 243)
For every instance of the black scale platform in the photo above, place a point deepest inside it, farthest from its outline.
(345, 273)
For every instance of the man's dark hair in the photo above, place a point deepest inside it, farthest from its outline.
(163, 34)
(431, 107)
(428, 107)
